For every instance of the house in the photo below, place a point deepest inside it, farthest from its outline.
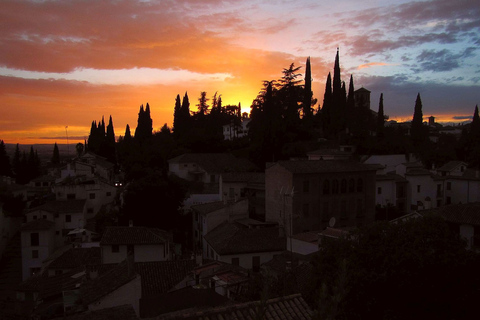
(460, 184)
(145, 244)
(464, 219)
(236, 184)
(304, 242)
(341, 153)
(204, 171)
(67, 215)
(331, 233)
(244, 245)
(118, 286)
(95, 191)
(72, 259)
(391, 190)
(426, 189)
(38, 243)
(41, 186)
(208, 216)
(90, 164)
(233, 130)
(282, 308)
(304, 195)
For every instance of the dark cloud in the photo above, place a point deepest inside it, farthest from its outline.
(441, 60)
(462, 117)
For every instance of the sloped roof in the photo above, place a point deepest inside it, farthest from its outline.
(242, 176)
(233, 238)
(61, 206)
(124, 312)
(161, 276)
(309, 236)
(215, 162)
(108, 282)
(282, 308)
(323, 166)
(418, 172)
(75, 257)
(333, 232)
(134, 235)
(451, 165)
(461, 213)
(39, 224)
(209, 207)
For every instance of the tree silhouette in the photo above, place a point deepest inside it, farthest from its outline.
(56, 155)
(380, 119)
(5, 168)
(418, 130)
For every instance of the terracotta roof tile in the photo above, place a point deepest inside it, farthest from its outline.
(134, 235)
(461, 213)
(283, 308)
(161, 276)
(75, 257)
(230, 238)
(62, 206)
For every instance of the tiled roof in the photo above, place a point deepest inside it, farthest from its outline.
(418, 172)
(451, 165)
(242, 176)
(334, 233)
(205, 208)
(461, 213)
(161, 276)
(215, 162)
(233, 238)
(124, 312)
(283, 308)
(322, 166)
(310, 236)
(134, 235)
(39, 224)
(62, 206)
(108, 282)
(279, 262)
(54, 286)
(75, 257)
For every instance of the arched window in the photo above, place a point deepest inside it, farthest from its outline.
(343, 186)
(335, 186)
(326, 187)
(351, 185)
(359, 185)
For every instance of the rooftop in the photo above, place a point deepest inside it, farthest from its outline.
(134, 235)
(61, 206)
(39, 224)
(75, 257)
(234, 238)
(215, 162)
(283, 308)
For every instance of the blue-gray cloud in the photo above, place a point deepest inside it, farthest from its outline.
(441, 60)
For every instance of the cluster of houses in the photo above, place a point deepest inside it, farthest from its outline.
(243, 221)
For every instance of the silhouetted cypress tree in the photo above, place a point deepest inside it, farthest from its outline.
(380, 119)
(473, 141)
(417, 130)
(56, 155)
(16, 162)
(202, 104)
(307, 96)
(5, 168)
(177, 117)
(128, 135)
(109, 152)
(144, 124)
(327, 106)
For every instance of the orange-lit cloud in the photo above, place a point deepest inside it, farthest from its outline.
(373, 64)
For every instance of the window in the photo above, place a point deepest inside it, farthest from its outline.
(306, 186)
(306, 209)
(34, 254)
(343, 186)
(45, 184)
(34, 239)
(68, 218)
(71, 196)
(359, 185)
(44, 217)
(231, 193)
(109, 194)
(115, 248)
(38, 184)
(360, 209)
(57, 232)
(235, 261)
(351, 185)
(418, 188)
(335, 186)
(326, 187)
(34, 217)
(212, 178)
(89, 210)
(448, 200)
(325, 211)
(379, 190)
(449, 185)
(92, 196)
(130, 249)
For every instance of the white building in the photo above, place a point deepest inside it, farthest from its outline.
(144, 244)
(38, 243)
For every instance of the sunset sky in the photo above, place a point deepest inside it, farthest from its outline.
(67, 63)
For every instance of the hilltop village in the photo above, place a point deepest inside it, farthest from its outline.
(289, 212)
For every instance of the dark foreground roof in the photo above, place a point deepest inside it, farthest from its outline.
(75, 257)
(234, 238)
(124, 312)
(324, 166)
(283, 308)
